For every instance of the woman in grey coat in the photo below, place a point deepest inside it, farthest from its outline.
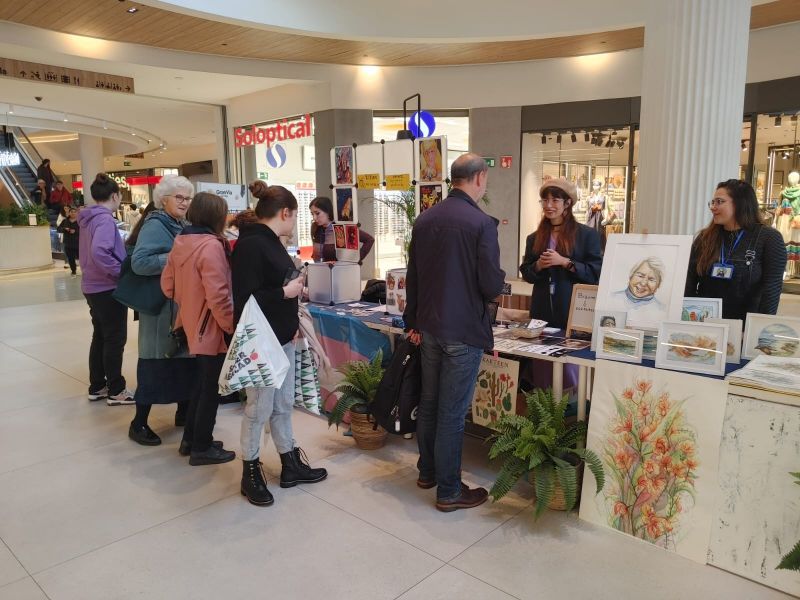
(160, 379)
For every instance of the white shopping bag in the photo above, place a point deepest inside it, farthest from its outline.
(255, 357)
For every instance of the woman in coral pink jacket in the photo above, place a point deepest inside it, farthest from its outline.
(198, 277)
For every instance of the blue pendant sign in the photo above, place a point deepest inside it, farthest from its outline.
(422, 124)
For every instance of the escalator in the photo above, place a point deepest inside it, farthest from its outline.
(20, 180)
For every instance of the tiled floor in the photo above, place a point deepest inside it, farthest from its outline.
(86, 514)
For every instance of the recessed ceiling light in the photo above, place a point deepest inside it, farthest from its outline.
(66, 120)
(133, 9)
(11, 109)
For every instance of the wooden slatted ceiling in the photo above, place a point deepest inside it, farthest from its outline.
(107, 19)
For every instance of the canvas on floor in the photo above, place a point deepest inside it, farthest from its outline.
(657, 433)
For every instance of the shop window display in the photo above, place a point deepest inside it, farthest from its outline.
(598, 161)
(287, 160)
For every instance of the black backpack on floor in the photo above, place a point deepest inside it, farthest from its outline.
(395, 404)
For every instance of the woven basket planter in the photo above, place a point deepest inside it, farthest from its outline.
(364, 435)
(557, 502)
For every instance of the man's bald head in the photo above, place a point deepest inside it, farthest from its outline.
(469, 174)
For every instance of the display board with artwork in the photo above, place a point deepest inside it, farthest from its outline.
(369, 161)
(431, 159)
(398, 160)
(346, 240)
(343, 165)
(429, 195)
(346, 206)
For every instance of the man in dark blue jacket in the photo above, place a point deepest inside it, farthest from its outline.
(453, 272)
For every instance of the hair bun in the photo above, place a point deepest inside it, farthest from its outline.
(101, 178)
(259, 188)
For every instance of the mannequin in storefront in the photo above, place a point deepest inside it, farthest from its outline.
(596, 209)
(790, 205)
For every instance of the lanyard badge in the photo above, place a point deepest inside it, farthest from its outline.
(724, 268)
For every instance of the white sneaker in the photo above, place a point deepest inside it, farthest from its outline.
(124, 397)
(98, 395)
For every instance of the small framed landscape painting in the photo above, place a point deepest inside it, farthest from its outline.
(734, 338)
(692, 347)
(698, 310)
(620, 344)
(771, 335)
(607, 318)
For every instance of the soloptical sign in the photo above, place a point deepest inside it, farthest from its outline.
(274, 132)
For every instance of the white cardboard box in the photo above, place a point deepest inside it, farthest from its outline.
(334, 283)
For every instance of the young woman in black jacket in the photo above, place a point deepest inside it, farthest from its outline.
(261, 266)
(559, 254)
(737, 257)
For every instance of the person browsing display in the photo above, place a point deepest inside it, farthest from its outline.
(322, 233)
(737, 257)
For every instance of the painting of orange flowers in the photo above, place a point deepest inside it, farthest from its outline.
(657, 434)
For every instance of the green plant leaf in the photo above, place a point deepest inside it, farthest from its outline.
(568, 478)
(791, 561)
(507, 478)
(544, 485)
(595, 466)
(344, 404)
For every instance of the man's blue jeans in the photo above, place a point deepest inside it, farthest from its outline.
(449, 371)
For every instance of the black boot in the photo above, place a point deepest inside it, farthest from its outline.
(212, 456)
(185, 449)
(297, 470)
(254, 484)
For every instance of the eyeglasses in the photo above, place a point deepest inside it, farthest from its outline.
(181, 199)
(716, 202)
(553, 201)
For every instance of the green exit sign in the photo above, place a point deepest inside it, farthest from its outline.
(489, 161)
(126, 163)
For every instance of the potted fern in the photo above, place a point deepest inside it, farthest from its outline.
(543, 444)
(356, 392)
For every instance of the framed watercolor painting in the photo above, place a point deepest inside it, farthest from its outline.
(614, 343)
(734, 338)
(772, 335)
(343, 165)
(645, 276)
(698, 310)
(346, 209)
(692, 347)
(607, 318)
(657, 433)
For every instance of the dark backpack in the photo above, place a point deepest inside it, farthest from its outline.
(374, 291)
(395, 404)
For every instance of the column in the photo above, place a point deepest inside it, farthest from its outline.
(91, 148)
(695, 62)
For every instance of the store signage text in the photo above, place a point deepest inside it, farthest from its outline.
(9, 158)
(276, 132)
(127, 182)
(65, 76)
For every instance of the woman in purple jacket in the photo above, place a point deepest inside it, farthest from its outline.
(102, 253)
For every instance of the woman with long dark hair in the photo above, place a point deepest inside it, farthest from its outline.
(560, 253)
(737, 257)
(262, 268)
(322, 232)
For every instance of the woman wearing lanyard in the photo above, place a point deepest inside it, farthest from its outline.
(737, 257)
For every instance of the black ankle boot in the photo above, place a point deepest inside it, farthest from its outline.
(297, 470)
(254, 484)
